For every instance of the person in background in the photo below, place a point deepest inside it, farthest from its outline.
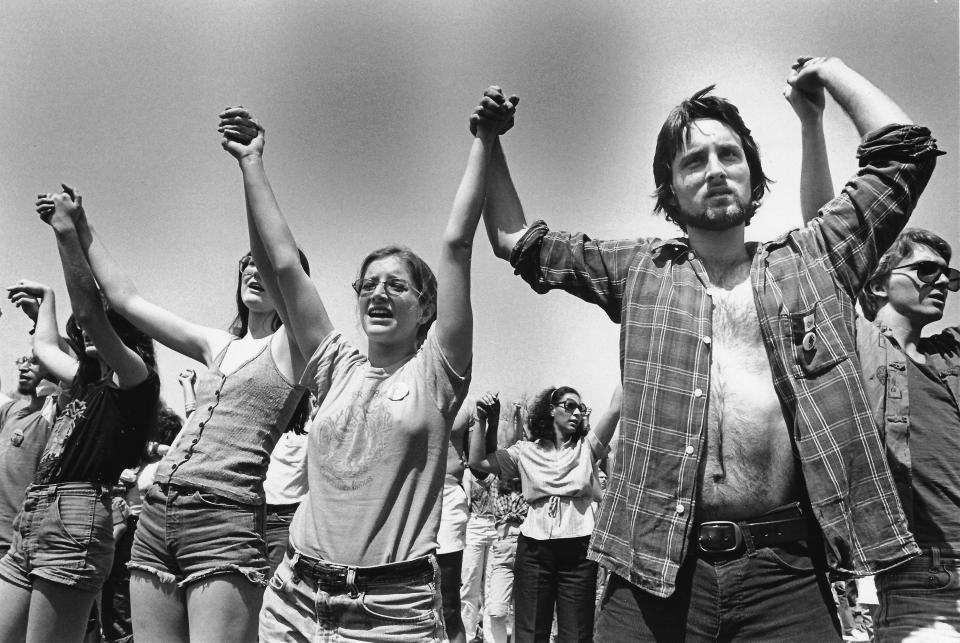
(559, 475)
(24, 431)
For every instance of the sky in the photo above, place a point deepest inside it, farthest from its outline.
(365, 106)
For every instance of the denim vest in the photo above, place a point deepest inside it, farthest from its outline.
(885, 378)
(225, 446)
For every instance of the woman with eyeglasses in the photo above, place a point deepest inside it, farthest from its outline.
(559, 474)
(361, 564)
(198, 561)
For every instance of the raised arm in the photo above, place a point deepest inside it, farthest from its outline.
(58, 210)
(272, 243)
(195, 341)
(502, 212)
(816, 184)
(48, 346)
(454, 314)
(484, 442)
(607, 424)
(866, 105)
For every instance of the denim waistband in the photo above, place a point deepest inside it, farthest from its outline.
(355, 579)
(92, 489)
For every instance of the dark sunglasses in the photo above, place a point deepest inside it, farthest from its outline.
(929, 272)
(246, 262)
(570, 406)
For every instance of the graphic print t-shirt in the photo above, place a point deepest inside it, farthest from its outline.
(100, 433)
(377, 454)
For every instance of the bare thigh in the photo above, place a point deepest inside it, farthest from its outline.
(58, 612)
(158, 610)
(225, 607)
(16, 608)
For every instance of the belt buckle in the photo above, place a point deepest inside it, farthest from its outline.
(721, 532)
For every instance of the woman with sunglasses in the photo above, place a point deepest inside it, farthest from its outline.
(559, 474)
(198, 561)
(361, 564)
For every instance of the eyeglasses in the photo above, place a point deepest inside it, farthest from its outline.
(394, 286)
(246, 262)
(929, 272)
(570, 406)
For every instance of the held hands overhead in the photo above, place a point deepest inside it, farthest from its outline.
(805, 95)
(488, 406)
(242, 135)
(27, 295)
(60, 208)
(495, 112)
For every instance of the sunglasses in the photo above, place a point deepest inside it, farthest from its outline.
(246, 262)
(394, 286)
(570, 406)
(929, 272)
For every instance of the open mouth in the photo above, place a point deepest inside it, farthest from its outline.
(254, 286)
(379, 312)
(718, 192)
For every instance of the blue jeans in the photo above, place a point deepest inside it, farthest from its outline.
(277, 533)
(768, 594)
(186, 535)
(392, 610)
(554, 575)
(63, 534)
(919, 601)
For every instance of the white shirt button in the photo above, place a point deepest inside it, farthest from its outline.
(680, 508)
(706, 339)
(697, 392)
(689, 449)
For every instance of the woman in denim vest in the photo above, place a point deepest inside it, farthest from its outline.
(361, 565)
(198, 561)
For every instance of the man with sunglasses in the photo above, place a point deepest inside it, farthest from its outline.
(914, 386)
(748, 464)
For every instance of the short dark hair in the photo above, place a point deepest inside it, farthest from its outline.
(675, 132)
(423, 278)
(541, 421)
(902, 248)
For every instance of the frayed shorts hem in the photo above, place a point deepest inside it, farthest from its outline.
(256, 577)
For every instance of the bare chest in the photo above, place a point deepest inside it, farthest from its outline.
(749, 465)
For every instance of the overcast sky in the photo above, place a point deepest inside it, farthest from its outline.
(366, 105)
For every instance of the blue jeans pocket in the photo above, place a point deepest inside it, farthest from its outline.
(792, 557)
(67, 529)
(399, 604)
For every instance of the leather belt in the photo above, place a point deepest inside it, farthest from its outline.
(726, 537)
(344, 577)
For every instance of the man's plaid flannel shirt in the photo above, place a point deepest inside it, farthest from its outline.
(804, 282)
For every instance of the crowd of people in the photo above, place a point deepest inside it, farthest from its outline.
(781, 423)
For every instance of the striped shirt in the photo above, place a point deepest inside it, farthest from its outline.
(804, 285)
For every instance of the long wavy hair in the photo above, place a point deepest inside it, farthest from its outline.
(240, 324)
(541, 421)
(88, 370)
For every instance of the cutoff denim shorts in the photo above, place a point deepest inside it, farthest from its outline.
(391, 610)
(186, 535)
(63, 534)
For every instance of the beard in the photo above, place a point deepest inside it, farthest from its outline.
(719, 217)
(27, 388)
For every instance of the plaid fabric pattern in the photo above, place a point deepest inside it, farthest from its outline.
(509, 505)
(805, 281)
